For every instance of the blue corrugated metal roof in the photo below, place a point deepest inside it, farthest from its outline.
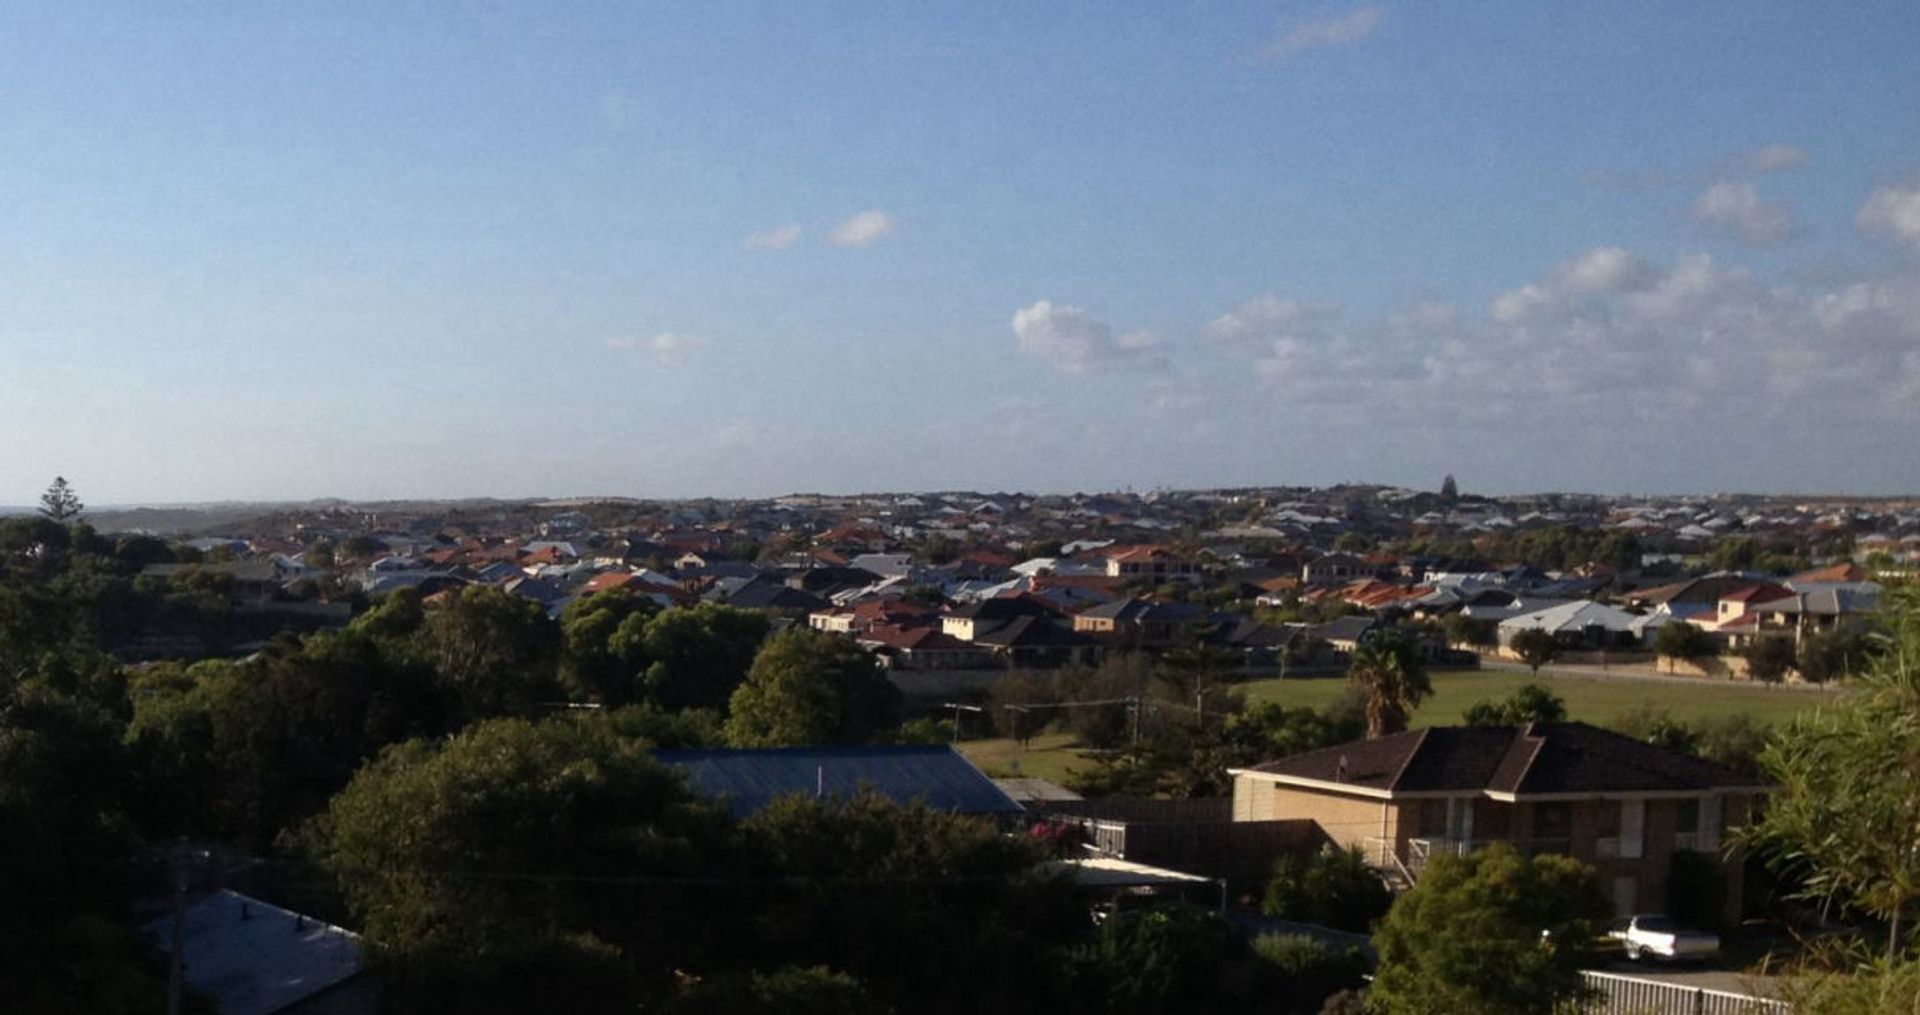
(750, 778)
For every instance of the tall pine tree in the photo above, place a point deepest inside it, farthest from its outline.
(60, 503)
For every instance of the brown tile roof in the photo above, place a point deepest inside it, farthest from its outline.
(1139, 551)
(1537, 758)
(918, 639)
(1842, 572)
(1765, 592)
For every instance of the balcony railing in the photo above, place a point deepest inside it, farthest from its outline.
(1410, 862)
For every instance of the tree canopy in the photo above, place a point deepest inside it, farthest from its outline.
(1535, 647)
(1531, 703)
(1769, 659)
(1491, 932)
(807, 687)
(1681, 640)
(60, 503)
(1844, 813)
(521, 865)
(1390, 667)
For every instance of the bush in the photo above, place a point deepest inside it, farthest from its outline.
(1332, 888)
(1153, 960)
(1304, 973)
(789, 990)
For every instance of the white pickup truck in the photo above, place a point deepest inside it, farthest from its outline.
(1658, 937)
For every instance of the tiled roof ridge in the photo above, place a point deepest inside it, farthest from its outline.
(1536, 742)
(1407, 762)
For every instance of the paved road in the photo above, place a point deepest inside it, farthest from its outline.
(1644, 675)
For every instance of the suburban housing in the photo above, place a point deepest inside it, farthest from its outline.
(1624, 806)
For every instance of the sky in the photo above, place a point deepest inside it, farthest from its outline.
(442, 250)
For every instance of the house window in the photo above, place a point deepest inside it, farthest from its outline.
(1552, 821)
(1687, 817)
(1690, 826)
(1609, 822)
(1433, 819)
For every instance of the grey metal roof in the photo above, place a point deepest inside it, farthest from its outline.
(254, 958)
(750, 778)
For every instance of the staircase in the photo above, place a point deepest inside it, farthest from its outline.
(1382, 857)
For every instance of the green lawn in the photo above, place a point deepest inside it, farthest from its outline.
(1047, 756)
(1601, 702)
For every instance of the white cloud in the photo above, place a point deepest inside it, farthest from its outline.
(1610, 343)
(1774, 158)
(1071, 340)
(1734, 209)
(1258, 322)
(1895, 210)
(1327, 30)
(667, 349)
(1598, 271)
(775, 239)
(862, 230)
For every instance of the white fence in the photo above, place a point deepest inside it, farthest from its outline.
(1632, 995)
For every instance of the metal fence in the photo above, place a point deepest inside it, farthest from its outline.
(1632, 995)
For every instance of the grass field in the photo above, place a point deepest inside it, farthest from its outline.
(1598, 701)
(1601, 702)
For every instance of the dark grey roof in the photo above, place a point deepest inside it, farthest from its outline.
(1536, 758)
(721, 569)
(1344, 628)
(750, 778)
(1000, 608)
(1828, 602)
(1031, 632)
(1145, 611)
(765, 594)
(1250, 633)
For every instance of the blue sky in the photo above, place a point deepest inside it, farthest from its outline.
(442, 250)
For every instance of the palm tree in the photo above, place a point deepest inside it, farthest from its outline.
(1391, 668)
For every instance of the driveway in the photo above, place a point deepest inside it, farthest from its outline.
(1706, 978)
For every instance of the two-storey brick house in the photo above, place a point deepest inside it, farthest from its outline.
(1614, 802)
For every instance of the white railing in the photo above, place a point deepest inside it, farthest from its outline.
(1383, 856)
(1614, 994)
